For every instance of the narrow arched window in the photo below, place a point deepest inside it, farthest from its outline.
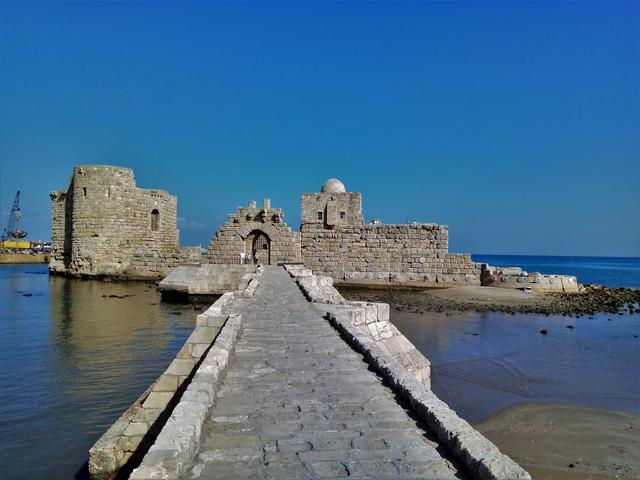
(155, 220)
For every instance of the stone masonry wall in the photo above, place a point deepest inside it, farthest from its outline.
(147, 264)
(413, 253)
(106, 220)
(61, 202)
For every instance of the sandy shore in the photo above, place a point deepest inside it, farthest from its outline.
(15, 258)
(568, 442)
(488, 299)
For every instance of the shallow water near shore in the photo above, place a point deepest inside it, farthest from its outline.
(567, 397)
(485, 362)
(75, 354)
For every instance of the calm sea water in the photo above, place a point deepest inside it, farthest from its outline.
(484, 362)
(72, 360)
(609, 271)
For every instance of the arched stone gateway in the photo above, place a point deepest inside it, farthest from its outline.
(270, 230)
(255, 235)
(258, 247)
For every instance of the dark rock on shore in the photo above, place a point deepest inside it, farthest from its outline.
(593, 299)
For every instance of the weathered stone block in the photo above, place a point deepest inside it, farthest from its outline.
(380, 330)
(199, 349)
(398, 344)
(158, 400)
(166, 383)
(181, 366)
(203, 334)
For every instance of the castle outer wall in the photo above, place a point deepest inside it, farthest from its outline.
(416, 253)
(336, 242)
(104, 225)
(102, 221)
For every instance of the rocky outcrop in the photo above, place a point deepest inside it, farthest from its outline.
(515, 277)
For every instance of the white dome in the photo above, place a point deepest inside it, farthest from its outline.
(333, 185)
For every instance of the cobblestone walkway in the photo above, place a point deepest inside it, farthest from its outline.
(298, 402)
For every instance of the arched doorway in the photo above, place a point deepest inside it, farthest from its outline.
(258, 247)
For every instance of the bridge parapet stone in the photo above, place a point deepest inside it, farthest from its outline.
(370, 317)
(179, 439)
(483, 459)
(366, 326)
(125, 443)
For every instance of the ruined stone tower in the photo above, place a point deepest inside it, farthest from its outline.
(102, 220)
(255, 235)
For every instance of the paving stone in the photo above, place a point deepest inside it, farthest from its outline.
(372, 469)
(285, 446)
(329, 470)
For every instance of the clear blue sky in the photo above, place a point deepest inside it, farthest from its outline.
(517, 124)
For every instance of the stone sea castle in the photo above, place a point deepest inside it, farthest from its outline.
(281, 377)
(103, 225)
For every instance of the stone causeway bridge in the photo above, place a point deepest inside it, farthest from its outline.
(282, 378)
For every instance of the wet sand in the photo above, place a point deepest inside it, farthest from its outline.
(21, 258)
(568, 442)
(488, 299)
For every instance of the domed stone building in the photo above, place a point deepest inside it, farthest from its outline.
(336, 241)
(333, 185)
(331, 207)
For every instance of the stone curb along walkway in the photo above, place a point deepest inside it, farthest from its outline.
(179, 438)
(126, 442)
(483, 459)
(177, 442)
(481, 456)
(370, 319)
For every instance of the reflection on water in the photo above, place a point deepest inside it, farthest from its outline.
(74, 355)
(485, 362)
